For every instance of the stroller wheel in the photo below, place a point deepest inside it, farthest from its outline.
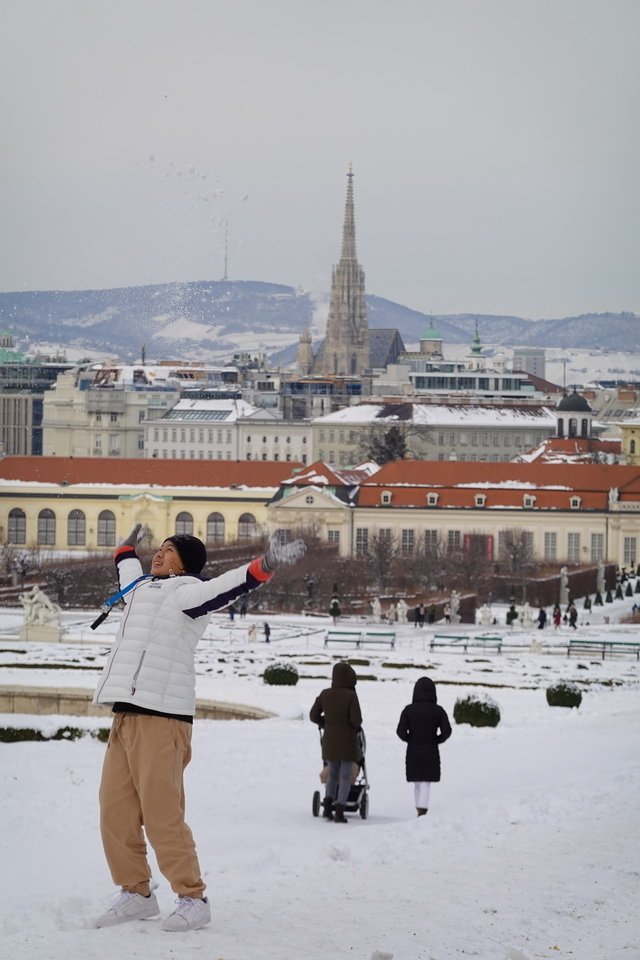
(364, 806)
(315, 803)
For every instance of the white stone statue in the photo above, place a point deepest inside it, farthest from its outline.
(39, 608)
(600, 577)
(564, 585)
(526, 618)
(391, 613)
(376, 609)
(485, 615)
(455, 607)
(401, 611)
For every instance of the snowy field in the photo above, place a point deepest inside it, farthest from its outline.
(529, 849)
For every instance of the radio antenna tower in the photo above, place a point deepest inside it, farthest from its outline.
(225, 275)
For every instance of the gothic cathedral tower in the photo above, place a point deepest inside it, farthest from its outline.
(346, 345)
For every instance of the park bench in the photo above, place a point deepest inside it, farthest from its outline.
(342, 636)
(377, 636)
(601, 646)
(360, 638)
(465, 641)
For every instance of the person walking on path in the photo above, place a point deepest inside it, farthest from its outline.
(542, 618)
(149, 681)
(573, 615)
(266, 629)
(423, 726)
(337, 713)
(557, 616)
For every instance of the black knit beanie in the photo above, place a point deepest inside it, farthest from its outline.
(193, 552)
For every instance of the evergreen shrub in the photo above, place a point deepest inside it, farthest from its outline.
(598, 599)
(629, 591)
(608, 598)
(564, 694)
(281, 674)
(637, 585)
(619, 592)
(476, 711)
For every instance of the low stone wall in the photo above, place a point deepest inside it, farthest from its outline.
(77, 703)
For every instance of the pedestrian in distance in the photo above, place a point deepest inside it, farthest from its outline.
(423, 726)
(266, 629)
(337, 712)
(557, 616)
(149, 682)
(573, 615)
(542, 618)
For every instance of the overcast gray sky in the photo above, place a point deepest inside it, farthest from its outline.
(495, 146)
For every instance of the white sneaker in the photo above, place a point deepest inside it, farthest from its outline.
(190, 914)
(129, 906)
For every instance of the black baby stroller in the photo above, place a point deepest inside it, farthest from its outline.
(358, 800)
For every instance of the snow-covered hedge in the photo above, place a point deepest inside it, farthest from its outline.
(564, 694)
(283, 674)
(19, 734)
(478, 711)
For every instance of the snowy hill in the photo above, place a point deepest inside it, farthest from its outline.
(214, 319)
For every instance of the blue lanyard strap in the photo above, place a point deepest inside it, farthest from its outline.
(113, 599)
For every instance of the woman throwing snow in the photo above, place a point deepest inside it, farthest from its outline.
(149, 681)
(423, 726)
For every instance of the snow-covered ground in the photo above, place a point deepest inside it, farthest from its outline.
(529, 848)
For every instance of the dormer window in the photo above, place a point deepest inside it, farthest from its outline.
(481, 499)
(385, 497)
(432, 499)
(528, 501)
(574, 502)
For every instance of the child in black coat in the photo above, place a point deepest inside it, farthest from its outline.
(423, 726)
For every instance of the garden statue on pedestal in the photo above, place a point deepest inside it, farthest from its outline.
(376, 610)
(455, 607)
(564, 585)
(401, 611)
(485, 615)
(600, 577)
(526, 618)
(41, 616)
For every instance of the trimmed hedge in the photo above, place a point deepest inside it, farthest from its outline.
(477, 711)
(22, 734)
(281, 674)
(564, 694)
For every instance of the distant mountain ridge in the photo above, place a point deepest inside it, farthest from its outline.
(214, 319)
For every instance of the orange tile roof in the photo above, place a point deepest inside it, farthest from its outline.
(503, 484)
(161, 473)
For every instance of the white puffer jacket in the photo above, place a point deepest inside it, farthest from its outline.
(151, 664)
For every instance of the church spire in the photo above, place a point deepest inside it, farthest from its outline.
(349, 229)
(345, 352)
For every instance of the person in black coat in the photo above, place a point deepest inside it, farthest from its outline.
(423, 726)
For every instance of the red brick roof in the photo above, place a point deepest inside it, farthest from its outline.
(165, 473)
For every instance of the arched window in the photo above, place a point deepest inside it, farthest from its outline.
(632, 450)
(106, 529)
(215, 528)
(560, 427)
(584, 427)
(17, 527)
(247, 529)
(76, 529)
(573, 427)
(47, 528)
(184, 523)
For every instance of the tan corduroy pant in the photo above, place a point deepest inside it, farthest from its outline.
(142, 785)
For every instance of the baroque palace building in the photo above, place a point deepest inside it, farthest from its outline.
(568, 513)
(86, 504)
